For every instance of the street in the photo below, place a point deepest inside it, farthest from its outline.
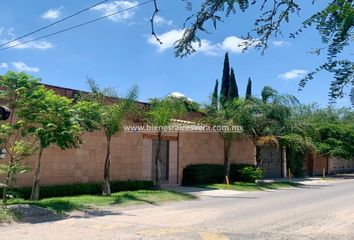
(315, 211)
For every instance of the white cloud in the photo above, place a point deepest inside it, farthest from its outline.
(8, 34)
(4, 65)
(108, 8)
(179, 95)
(168, 39)
(230, 44)
(41, 44)
(159, 20)
(22, 67)
(52, 14)
(293, 74)
(233, 44)
(280, 43)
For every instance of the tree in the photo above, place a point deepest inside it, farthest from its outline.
(249, 89)
(265, 121)
(334, 23)
(215, 97)
(225, 81)
(225, 119)
(160, 114)
(102, 110)
(233, 89)
(222, 115)
(54, 123)
(332, 131)
(15, 134)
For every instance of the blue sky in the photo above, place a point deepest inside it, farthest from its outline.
(120, 52)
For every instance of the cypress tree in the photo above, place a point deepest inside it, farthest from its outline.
(249, 89)
(224, 92)
(233, 89)
(214, 99)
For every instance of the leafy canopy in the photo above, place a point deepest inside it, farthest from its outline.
(334, 24)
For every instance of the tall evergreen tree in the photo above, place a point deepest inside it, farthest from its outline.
(249, 89)
(224, 92)
(215, 97)
(233, 89)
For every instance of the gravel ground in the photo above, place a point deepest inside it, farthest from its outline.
(322, 210)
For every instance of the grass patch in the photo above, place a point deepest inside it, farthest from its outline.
(7, 215)
(67, 204)
(243, 186)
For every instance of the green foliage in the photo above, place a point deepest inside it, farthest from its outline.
(189, 104)
(251, 174)
(81, 189)
(334, 23)
(332, 130)
(215, 173)
(249, 89)
(225, 81)
(335, 139)
(233, 89)
(8, 215)
(296, 147)
(162, 111)
(215, 97)
(17, 133)
(102, 110)
(88, 202)
(53, 119)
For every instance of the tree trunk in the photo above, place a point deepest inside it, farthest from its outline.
(258, 156)
(283, 155)
(227, 157)
(158, 161)
(35, 186)
(107, 167)
(7, 182)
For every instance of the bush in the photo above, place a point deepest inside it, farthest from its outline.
(203, 174)
(215, 173)
(251, 174)
(80, 189)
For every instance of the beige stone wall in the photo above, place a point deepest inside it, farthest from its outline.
(319, 163)
(196, 148)
(338, 165)
(85, 164)
(132, 158)
(173, 155)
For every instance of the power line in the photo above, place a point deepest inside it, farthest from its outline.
(52, 24)
(78, 25)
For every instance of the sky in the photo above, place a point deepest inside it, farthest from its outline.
(119, 51)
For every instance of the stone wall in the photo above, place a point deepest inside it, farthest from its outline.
(85, 164)
(132, 157)
(338, 165)
(197, 148)
(319, 163)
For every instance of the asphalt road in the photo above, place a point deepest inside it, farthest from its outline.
(316, 211)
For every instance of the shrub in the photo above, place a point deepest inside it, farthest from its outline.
(203, 174)
(251, 174)
(80, 189)
(213, 173)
